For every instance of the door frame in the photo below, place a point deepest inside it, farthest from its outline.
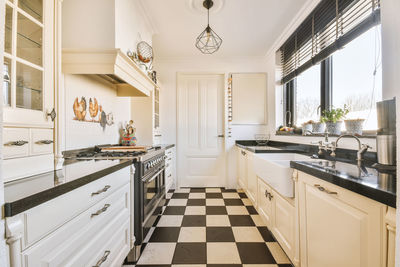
(179, 153)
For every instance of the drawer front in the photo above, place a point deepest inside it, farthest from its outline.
(42, 141)
(48, 216)
(80, 240)
(15, 142)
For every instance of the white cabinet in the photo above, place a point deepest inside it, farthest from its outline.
(251, 180)
(170, 170)
(79, 228)
(28, 88)
(338, 227)
(249, 98)
(279, 215)
(29, 62)
(242, 168)
(390, 220)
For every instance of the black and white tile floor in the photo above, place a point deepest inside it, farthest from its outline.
(211, 227)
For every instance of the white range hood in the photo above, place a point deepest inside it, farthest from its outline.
(112, 65)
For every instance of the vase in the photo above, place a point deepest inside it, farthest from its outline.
(318, 127)
(354, 126)
(334, 127)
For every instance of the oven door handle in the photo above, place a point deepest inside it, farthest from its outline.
(152, 178)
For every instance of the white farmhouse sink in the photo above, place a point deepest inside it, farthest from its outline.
(274, 169)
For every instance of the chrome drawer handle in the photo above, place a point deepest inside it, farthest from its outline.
(323, 189)
(103, 259)
(17, 143)
(44, 142)
(101, 190)
(100, 211)
(268, 195)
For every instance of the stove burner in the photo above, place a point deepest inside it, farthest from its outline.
(108, 154)
(85, 154)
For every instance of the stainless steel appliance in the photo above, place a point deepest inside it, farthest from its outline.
(386, 134)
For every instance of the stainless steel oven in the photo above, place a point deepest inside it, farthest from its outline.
(148, 198)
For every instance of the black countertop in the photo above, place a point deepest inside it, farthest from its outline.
(26, 193)
(342, 171)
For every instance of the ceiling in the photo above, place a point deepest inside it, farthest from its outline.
(248, 27)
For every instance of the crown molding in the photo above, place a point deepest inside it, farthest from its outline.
(304, 11)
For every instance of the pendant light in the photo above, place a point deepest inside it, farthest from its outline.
(208, 41)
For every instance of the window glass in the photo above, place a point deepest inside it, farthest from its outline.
(354, 82)
(308, 95)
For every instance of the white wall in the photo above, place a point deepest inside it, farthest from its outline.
(81, 134)
(3, 257)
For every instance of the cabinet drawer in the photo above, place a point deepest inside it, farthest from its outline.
(15, 142)
(42, 141)
(80, 240)
(48, 216)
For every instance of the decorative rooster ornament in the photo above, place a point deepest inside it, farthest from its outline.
(80, 109)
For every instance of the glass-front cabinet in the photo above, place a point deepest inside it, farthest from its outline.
(28, 73)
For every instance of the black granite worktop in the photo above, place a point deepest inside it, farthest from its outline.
(26, 193)
(368, 182)
(342, 170)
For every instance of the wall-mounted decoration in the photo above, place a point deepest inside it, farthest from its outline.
(129, 138)
(96, 112)
(80, 109)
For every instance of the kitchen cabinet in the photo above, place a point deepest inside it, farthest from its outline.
(251, 180)
(338, 227)
(279, 215)
(390, 222)
(28, 88)
(170, 170)
(81, 227)
(28, 93)
(249, 98)
(242, 168)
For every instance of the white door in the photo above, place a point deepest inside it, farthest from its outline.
(200, 123)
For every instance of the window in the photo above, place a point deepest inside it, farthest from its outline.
(308, 95)
(353, 80)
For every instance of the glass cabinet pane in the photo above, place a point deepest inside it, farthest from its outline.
(33, 8)
(7, 82)
(8, 30)
(29, 91)
(29, 40)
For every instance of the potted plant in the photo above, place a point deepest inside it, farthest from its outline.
(306, 127)
(354, 126)
(333, 119)
(318, 126)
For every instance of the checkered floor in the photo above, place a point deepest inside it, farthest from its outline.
(211, 227)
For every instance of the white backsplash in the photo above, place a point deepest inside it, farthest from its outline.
(81, 134)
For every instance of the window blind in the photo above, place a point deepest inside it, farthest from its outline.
(330, 26)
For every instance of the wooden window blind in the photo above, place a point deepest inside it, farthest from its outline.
(329, 27)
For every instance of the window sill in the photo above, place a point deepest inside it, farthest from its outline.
(366, 134)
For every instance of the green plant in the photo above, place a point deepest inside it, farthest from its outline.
(334, 115)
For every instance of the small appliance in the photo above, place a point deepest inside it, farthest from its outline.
(386, 134)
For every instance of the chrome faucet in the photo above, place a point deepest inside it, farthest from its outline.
(362, 148)
(325, 145)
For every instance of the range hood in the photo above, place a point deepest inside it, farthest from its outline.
(113, 66)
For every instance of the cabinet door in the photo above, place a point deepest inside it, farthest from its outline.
(251, 180)
(338, 227)
(29, 89)
(242, 169)
(283, 226)
(249, 98)
(265, 203)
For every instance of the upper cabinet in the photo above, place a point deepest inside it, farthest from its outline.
(91, 51)
(28, 93)
(249, 98)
